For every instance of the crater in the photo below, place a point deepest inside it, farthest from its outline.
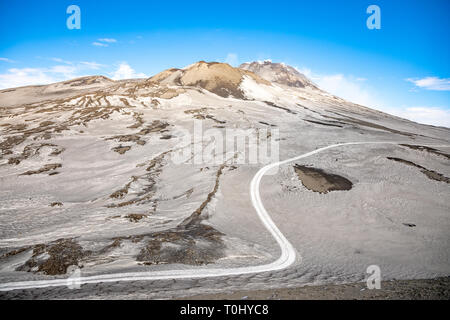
(318, 180)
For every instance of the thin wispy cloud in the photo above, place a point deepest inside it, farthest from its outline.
(59, 60)
(104, 42)
(66, 71)
(6, 60)
(99, 44)
(432, 83)
(107, 40)
(92, 65)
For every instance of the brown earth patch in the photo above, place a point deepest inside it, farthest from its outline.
(318, 180)
(14, 252)
(33, 150)
(54, 258)
(128, 138)
(135, 217)
(219, 78)
(154, 127)
(10, 142)
(46, 168)
(11, 129)
(153, 170)
(202, 114)
(119, 194)
(139, 121)
(121, 149)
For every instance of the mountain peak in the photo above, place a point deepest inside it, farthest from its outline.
(279, 73)
(219, 78)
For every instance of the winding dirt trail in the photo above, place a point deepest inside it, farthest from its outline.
(287, 257)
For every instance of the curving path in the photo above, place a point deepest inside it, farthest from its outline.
(286, 259)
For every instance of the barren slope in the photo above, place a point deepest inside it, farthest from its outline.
(90, 177)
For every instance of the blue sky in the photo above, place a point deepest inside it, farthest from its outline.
(403, 68)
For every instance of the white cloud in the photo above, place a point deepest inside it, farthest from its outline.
(432, 83)
(108, 40)
(37, 76)
(426, 115)
(99, 44)
(24, 77)
(232, 59)
(6, 60)
(345, 87)
(355, 89)
(65, 71)
(59, 60)
(124, 71)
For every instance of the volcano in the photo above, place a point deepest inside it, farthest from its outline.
(113, 176)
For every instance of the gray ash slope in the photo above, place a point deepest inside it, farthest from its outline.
(88, 179)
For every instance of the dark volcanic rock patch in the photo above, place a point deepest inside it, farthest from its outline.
(359, 122)
(197, 244)
(318, 180)
(191, 242)
(427, 149)
(279, 107)
(324, 123)
(433, 175)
